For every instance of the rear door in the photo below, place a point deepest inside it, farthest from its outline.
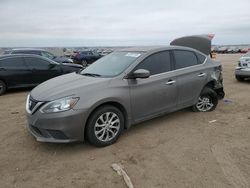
(191, 76)
(155, 94)
(42, 69)
(14, 71)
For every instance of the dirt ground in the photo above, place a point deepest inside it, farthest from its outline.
(181, 149)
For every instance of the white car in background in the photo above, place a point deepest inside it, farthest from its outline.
(243, 70)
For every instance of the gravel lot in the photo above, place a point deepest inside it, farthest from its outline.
(181, 149)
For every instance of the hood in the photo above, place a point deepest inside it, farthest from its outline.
(201, 43)
(65, 85)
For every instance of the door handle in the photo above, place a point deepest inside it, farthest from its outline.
(170, 82)
(202, 74)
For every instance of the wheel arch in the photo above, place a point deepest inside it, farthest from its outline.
(3, 80)
(112, 103)
(213, 85)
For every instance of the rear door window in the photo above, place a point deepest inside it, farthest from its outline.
(184, 59)
(201, 58)
(157, 63)
(37, 63)
(12, 63)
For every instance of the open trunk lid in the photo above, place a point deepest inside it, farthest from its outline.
(201, 43)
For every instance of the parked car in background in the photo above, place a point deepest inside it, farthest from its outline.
(85, 57)
(30, 70)
(222, 50)
(233, 50)
(245, 50)
(243, 70)
(44, 53)
(124, 88)
(214, 49)
(105, 52)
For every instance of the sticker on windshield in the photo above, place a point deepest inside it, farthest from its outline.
(133, 54)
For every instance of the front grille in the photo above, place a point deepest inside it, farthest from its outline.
(32, 104)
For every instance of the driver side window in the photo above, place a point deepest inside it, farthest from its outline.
(157, 63)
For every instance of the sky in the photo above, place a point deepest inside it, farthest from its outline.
(44, 23)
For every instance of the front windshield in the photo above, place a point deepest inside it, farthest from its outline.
(112, 64)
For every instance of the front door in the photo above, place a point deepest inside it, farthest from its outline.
(156, 94)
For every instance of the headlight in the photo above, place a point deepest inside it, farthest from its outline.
(60, 105)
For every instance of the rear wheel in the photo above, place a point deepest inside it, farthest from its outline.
(105, 126)
(239, 78)
(84, 63)
(2, 87)
(207, 101)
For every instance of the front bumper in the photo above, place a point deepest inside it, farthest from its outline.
(242, 72)
(62, 127)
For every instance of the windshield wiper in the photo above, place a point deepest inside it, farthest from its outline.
(91, 74)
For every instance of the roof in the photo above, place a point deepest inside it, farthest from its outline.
(23, 49)
(23, 55)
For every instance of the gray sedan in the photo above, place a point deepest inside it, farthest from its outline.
(121, 89)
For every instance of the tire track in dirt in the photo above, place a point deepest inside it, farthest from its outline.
(229, 168)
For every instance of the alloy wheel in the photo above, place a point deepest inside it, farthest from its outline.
(84, 63)
(107, 126)
(204, 104)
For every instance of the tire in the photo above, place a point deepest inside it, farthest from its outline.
(207, 101)
(240, 79)
(2, 87)
(99, 132)
(84, 63)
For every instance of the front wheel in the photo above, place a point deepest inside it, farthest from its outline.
(105, 126)
(207, 101)
(239, 78)
(2, 87)
(84, 63)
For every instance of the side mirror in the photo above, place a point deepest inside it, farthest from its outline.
(140, 73)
